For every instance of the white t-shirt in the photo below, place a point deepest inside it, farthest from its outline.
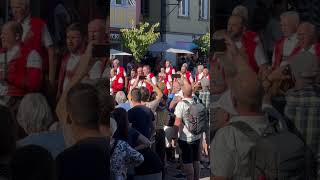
(181, 111)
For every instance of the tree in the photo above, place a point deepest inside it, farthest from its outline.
(204, 43)
(138, 39)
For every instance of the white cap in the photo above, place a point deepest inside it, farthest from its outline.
(225, 103)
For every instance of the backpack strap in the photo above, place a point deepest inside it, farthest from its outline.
(246, 130)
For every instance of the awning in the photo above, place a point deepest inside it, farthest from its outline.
(115, 52)
(159, 47)
(186, 45)
(178, 51)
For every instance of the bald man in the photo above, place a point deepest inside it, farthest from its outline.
(284, 47)
(35, 35)
(21, 67)
(247, 43)
(188, 142)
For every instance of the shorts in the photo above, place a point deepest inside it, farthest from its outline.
(190, 151)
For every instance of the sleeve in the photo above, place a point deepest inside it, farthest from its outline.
(178, 110)
(259, 55)
(133, 157)
(154, 80)
(46, 37)
(223, 154)
(34, 71)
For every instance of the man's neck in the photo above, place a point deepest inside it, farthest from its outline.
(248, 112)
(84, 133)
(134, 104)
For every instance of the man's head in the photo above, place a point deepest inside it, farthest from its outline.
(145, 94)
(289, 23)
(168, 63)
(236, 26)
(97, 31)
(116, 63)
(183, 69)
(205, 72)
(83, 107)
(136, 95)
(306, 34)
(162, 70)
(121, 97)
(20, 9)
(200, 68)
(11, 34)
(187, 90)
(75, 36)
(176, 87)
(241, 11)
(146, 70)
(139, 71)
(133, 73)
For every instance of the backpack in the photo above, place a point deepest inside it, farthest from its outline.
(277, 153)
(197, 118)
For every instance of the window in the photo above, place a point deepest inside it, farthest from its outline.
(184, 8)
(118, 2)
(204, 6)
(145, 8)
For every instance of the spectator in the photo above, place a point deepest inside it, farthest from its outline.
(145, 96)
(122, 101)
(188, 143)
(7, 142)
(140, 117)
(32, 162)
(303, 101)
(123, 155)
(35, 117)
(229, 145)
(24, 66)
(284, 47)
(89, 158)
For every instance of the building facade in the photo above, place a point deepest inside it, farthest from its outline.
(182, 21)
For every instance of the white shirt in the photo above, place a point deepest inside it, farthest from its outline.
(73, 61)
(46, 37)
(181, 111)
(33, 61)
(168, 69)
(200, 76)
(258, 54)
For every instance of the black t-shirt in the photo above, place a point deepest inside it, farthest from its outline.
(88, 159)
(142, 119)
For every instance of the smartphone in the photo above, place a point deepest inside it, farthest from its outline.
(142, 78)
(176, 76)
(219, 45)
(99, 51)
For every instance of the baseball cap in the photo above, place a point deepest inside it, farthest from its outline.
(225, 103)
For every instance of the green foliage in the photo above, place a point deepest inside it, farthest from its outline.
(204, 43)
(138, 39)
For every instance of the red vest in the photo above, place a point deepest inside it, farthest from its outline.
(249, 43)
(116, 86)
(188, 76)
(121, 71)
(22, 80)
(34, 40)
(131, 82)
(148, 86)
(170, 71)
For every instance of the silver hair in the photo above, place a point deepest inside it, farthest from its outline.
(116, 61)
(291, 14)
(121, 97)
(34, 113)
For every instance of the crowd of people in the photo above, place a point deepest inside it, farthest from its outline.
(257, 99)
(151, 118)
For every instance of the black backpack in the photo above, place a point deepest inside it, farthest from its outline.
(277, 153)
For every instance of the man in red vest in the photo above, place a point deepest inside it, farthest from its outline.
(199, 74)
(120, 70)
(133, 79)
(70, 61)
(285, 46)
(247, 43)
(116, 82)
(149, 76)
(35, 35)
(186, 74)
(21, 67)
(169, 69)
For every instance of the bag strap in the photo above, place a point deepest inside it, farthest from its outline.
(114, 146)
(246, 130)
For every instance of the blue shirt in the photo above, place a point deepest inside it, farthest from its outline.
(125, 106)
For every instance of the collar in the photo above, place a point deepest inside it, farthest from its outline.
(26, 20)
(293, 37)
